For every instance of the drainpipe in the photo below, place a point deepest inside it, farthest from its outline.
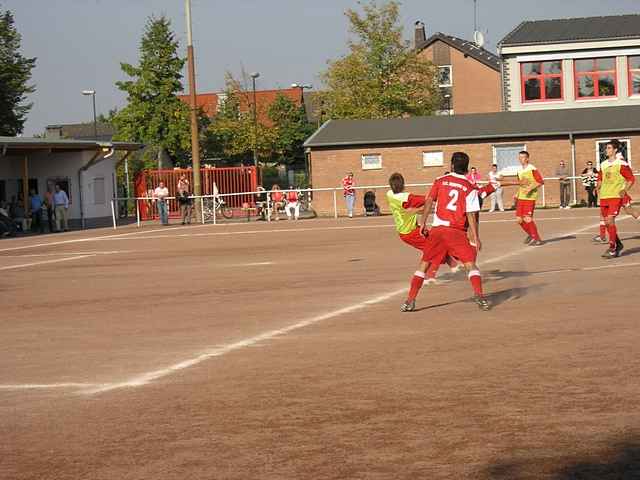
(572, 140)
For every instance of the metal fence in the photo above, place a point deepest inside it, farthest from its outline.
(247, 204)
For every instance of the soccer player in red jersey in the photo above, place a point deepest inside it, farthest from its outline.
(530, 180)
(456, 204)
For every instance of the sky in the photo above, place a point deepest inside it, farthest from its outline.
(79, 44)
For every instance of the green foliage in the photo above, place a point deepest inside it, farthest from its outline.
(292, 128)
(154, 114)
(15, 73)
(381, 76)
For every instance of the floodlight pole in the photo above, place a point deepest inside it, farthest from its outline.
(195, 143)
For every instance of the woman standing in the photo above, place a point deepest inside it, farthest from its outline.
(589, 180)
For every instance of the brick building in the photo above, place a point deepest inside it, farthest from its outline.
(572, 63)
(420, 147)
(211, 102)
(469, 75)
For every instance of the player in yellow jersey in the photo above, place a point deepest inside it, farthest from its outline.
(405, 208)
(530, 180)
(615, 178)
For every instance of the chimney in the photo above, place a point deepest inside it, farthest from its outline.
(419, 35)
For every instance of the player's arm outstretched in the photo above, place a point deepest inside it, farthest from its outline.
(428, 207)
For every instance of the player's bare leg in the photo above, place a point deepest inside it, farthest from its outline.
(631, 211)
(476, 283)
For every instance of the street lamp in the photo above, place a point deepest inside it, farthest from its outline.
(255, 75)
(92, 93)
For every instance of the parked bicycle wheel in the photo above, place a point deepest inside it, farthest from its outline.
(227, 212)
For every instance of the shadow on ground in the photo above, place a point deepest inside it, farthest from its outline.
(495, 298)
(620, 461)
(559, 239)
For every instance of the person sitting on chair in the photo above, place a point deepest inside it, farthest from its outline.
(277, 199)
(292, 203)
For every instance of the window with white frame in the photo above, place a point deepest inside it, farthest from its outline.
(445, 76)
(432, 159)
(371, 161)
(601, 150)
(506, 158)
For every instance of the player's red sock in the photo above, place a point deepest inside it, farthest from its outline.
(613, 236)
(603, 230)
(432, 271)
(534, 230)
(525, 227)
(416, 284)
(476, 281)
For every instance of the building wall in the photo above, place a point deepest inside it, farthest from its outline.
(329, 166)
(476, 87)
(48, 167)
(513, 81)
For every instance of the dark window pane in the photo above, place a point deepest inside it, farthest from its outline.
(634, 62)
(553, 87)
(585, 86)
(606, 85)
(531, 68)
(532, 89)
(584, 65)
(606, 64)
(552, 67)
(635, 84)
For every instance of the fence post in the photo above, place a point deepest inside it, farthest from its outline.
(544, 199)
(202, 209)
(113, 214)
(138, 212)
(335, 204)
(268, 207)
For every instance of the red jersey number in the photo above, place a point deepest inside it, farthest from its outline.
(455, 196)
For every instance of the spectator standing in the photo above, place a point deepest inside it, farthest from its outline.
(160, 195)
(183, 184)
(473, 176)
(60, 207)
(261, 203)
(562, 172)
(349, 192)
(292, 204)
(48, 200)
(589, 181)
(36, 211)
(186, 206)
(496, 197)
(277, 199)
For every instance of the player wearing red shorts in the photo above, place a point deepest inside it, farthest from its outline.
(614, 179)
(456, 203)
(405, 208)
(530, 180)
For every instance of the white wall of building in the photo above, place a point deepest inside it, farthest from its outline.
(97, 182)
(512, 57)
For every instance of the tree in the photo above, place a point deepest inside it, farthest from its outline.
(292, 128)
(154, 114)
(15, 73)
(232, 133)
(382, 76)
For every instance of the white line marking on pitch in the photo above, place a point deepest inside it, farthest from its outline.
(62, 254)
(148, 377)
(248, 342)
(254, 264)
(58, 260)
(47, 386)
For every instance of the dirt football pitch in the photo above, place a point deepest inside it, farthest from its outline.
(278, 351)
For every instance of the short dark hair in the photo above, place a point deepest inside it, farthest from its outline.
(524, 152)
(614, 143)
(460, 162)
(396, 182)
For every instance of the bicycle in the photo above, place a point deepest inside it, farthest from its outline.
(304, 199)
(209, 205)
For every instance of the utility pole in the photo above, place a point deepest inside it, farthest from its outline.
(195, 141)
(255, 75)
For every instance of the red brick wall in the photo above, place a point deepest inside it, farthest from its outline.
(476, 87)
(329, 166)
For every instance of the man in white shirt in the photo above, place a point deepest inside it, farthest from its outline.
(60, 207)
(496, 198)
(160, 195)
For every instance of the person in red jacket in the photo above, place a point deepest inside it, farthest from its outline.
(277, 200)
(292, 203)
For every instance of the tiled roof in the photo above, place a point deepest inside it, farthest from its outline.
(561, 30)
(468, 48)
(477, 126)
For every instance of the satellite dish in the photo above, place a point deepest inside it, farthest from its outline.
(478, 38)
